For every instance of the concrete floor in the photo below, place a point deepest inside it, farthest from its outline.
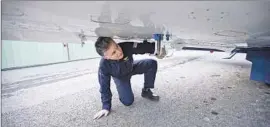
(196, 90)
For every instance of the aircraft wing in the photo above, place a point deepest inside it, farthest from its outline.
(229, 22)
(203, 25)
(25, 21)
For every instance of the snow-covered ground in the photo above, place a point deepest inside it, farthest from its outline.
(196, 89)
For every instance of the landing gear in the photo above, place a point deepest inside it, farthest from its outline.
(163, 47)
(158, 38)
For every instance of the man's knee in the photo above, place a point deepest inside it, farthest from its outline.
(153, 63)
(127, 102)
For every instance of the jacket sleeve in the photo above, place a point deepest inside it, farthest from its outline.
(106, 95)
(143, 48)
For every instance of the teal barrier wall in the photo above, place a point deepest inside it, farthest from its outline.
(19, 53)
(76, 51)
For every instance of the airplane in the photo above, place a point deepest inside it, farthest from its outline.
(215, 26)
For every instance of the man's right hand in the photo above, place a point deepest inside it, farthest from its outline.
(101, 113)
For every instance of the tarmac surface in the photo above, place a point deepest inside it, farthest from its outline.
(196, 89)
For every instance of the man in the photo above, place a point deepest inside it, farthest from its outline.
(117, 62)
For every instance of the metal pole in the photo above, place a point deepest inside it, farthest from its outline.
(68, 52)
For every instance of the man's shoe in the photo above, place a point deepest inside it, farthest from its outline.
(147, 93)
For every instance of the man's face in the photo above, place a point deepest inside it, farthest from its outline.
(114, 52)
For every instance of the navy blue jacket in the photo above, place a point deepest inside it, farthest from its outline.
(119, 68)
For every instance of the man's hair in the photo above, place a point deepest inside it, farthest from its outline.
(102, 44)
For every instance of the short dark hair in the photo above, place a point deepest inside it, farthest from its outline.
(102, 44)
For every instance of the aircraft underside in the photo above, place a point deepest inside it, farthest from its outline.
(215, 26)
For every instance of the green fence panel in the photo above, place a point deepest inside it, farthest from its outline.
(77, 51)
(19, 53)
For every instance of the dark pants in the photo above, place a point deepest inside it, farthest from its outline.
(148, 67)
